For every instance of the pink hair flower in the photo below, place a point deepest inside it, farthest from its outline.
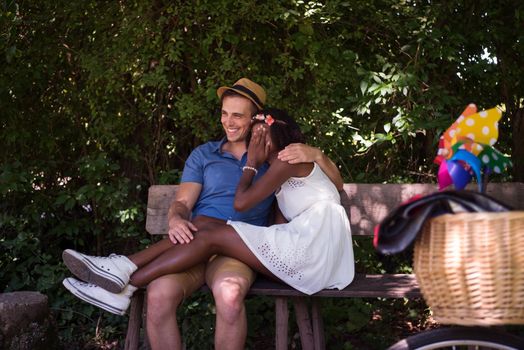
(268, 119)
(259, 117)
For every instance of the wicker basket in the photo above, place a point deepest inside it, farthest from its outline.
(470, 268)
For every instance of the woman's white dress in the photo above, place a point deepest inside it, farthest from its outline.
(314, 249)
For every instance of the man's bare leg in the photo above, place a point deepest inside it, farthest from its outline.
(163, 299)
(164, 295)
(230, 281)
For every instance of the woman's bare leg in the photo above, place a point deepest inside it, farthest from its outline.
(147, 255)
(214, 238)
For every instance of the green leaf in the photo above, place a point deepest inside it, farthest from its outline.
(363, 86)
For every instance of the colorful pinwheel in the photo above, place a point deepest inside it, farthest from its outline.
(466, 148)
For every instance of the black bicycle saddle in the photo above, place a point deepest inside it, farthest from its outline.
(400, 228)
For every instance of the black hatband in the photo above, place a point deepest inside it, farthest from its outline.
(249, 93)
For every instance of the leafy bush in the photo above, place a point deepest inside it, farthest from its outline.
(100, 100)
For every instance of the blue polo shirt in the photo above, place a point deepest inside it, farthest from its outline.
(219, 173)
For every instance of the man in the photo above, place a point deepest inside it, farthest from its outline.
(207, 189)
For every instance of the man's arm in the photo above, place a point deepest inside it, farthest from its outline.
(180, 228)
(301, 153)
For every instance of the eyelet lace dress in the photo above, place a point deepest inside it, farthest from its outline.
(314, 250)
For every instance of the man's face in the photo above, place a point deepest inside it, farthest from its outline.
(236, 117)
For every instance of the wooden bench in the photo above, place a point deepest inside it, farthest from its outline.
(366, 205)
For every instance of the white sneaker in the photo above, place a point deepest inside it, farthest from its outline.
(111, 273)
(112, 302)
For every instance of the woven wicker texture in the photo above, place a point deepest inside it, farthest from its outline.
(470, 268)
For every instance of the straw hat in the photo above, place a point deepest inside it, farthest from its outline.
(247, 88)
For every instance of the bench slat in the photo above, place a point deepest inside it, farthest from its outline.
(366, 204)
(363, 286)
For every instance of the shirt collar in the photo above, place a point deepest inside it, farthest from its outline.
(218, 145)
(218, 149)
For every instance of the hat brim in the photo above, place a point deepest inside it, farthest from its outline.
(222, 89)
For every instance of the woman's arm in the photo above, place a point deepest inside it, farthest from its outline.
(247, 194)
(279, 217)
(301, 153)
(275, 216)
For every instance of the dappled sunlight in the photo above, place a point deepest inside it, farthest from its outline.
(371, 203)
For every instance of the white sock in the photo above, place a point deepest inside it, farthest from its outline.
(129, 290)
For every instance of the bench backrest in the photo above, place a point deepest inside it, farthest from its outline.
(366, 204)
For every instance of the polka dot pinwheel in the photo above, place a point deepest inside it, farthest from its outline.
(466, 148)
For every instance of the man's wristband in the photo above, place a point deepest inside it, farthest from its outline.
(247, 167)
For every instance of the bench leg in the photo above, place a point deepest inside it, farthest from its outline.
(304, 323)
(318, 325)
(145, 345)
(135, 321)
(282, 317)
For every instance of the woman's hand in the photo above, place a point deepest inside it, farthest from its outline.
(300, 153)
(259, 145)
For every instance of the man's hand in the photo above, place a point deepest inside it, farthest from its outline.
(299, 153)
(181, 230)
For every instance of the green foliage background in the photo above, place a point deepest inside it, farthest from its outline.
(101, 99)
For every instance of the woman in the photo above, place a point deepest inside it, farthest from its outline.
(308, 248)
